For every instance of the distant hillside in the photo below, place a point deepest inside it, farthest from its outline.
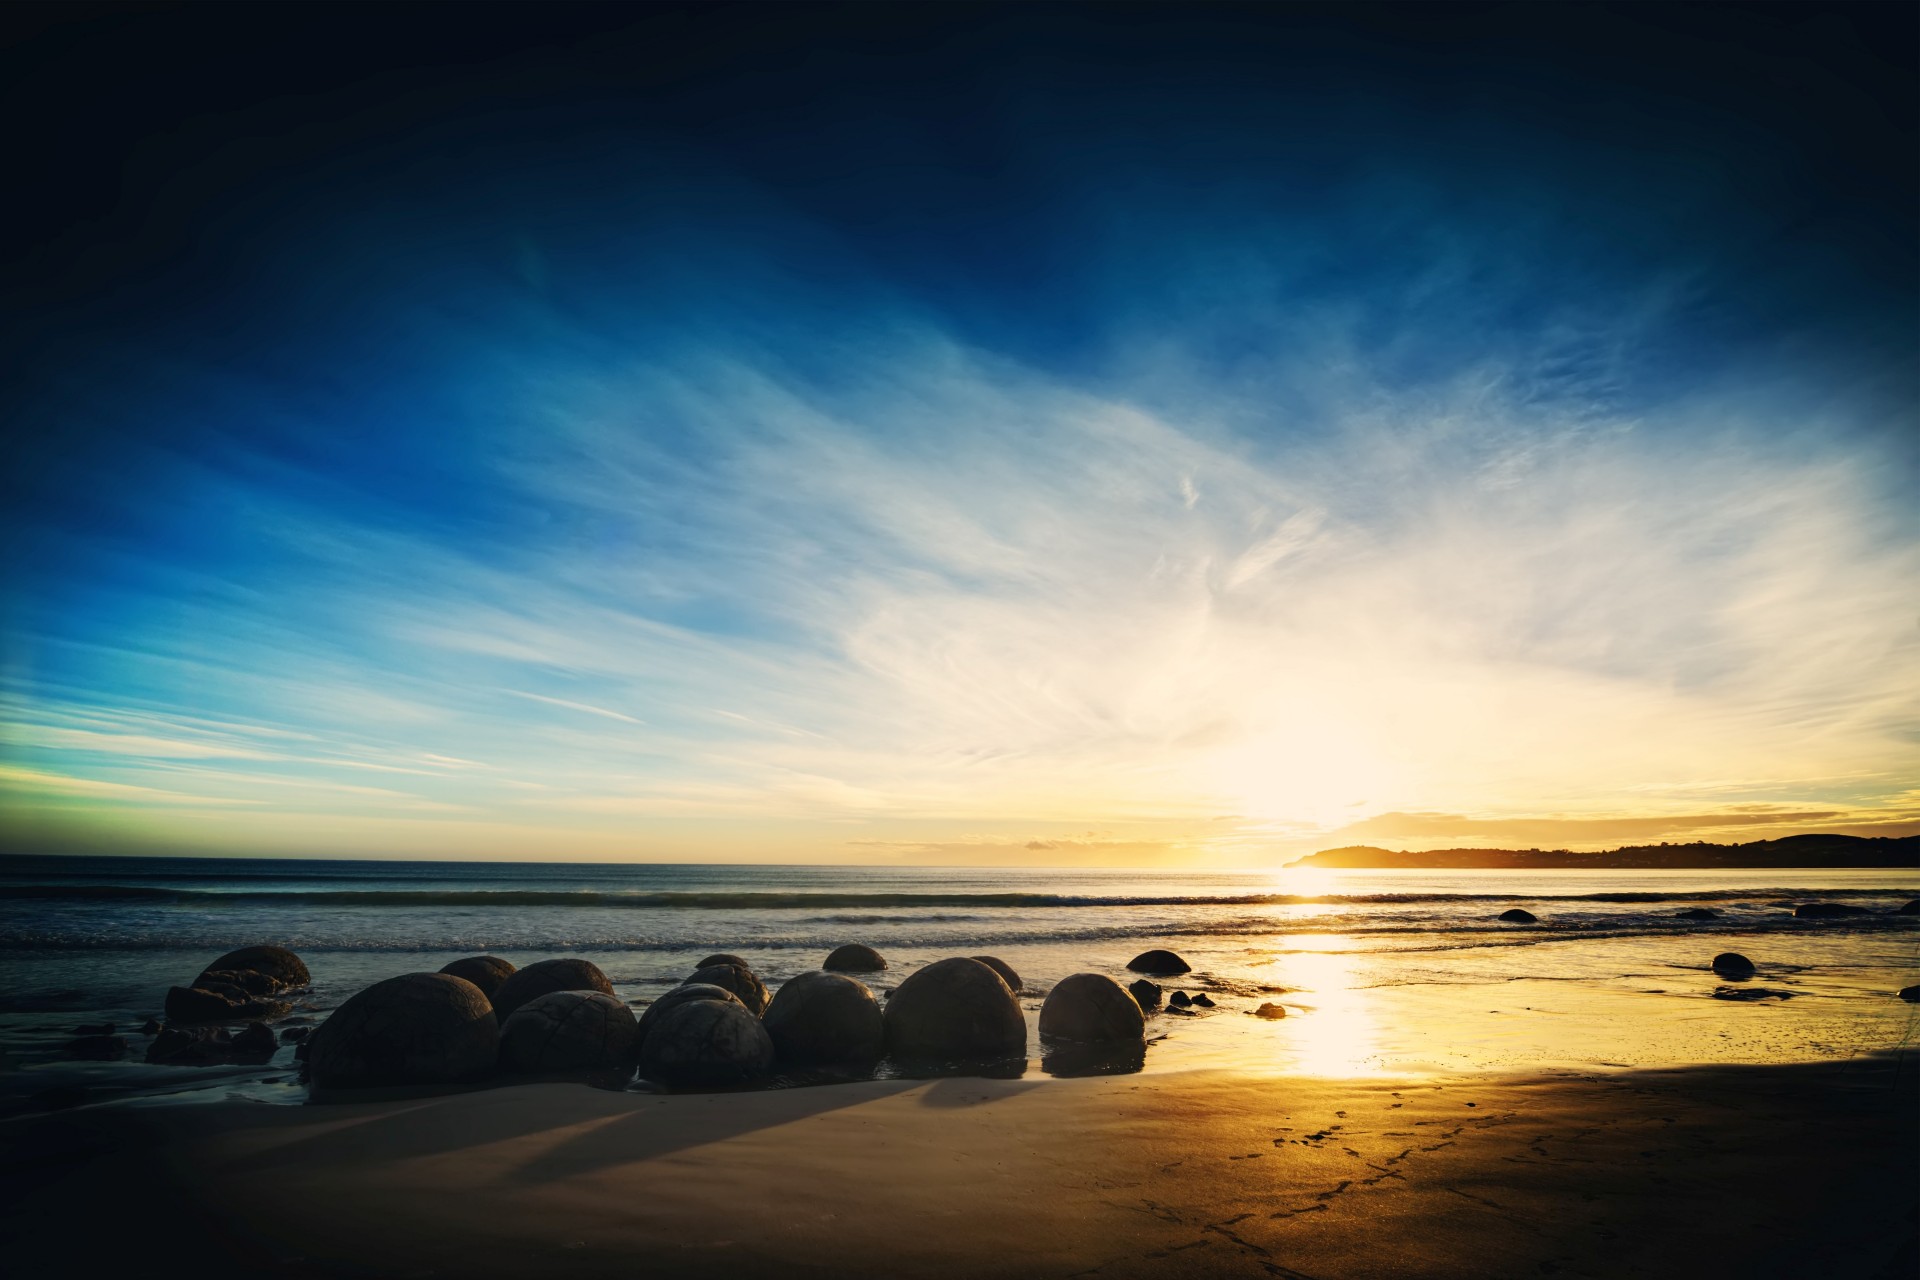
(1789, 851)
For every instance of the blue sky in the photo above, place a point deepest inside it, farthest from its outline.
(1007, 435)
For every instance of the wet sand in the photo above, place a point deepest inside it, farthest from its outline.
(1701, 1172)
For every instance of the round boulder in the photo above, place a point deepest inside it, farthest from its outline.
(569, 1031)
(1910, 994)
(548, 975)
(1159, 964)
(1145, 994)
(1005, 970)
(419, 1028)
(1911, 909)
(1731, 964)
(738, 979)
(706, 1042)
(825, 1019)
(855, 958)
(954, 1008)
(680, 995)
(1517, 916)
(722, 957)
(484, 972)
(1091, 1006)
(283, 968)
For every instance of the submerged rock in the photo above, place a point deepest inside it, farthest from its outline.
(1750, 993)
(1731, 964)
(706, 1042)
(855, 958)
(1827, 910)
(1145, 994)
(954, 1008)
(485, 972)
(569, 1031)
(738, 979)
(723, 957)
(1698, 913)
(418, 1028)
(1910, 994)
(281, 967)
(1518, 916)
(191, 1046)
(1911, 909)
(1270, 1010)
(680, 995)
(220, 1002)
(1091, 1007)
(1005, 970)
(571, 974)
(826, 1019)
(1159, 963)
(256, 1042)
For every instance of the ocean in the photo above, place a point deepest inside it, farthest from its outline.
(1379, 972)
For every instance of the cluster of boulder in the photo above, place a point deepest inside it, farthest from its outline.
(218, 1018)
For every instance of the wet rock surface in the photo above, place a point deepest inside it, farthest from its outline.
(855, 958)
(954, 1008)
(1006, 971)
(418, 1028)
(1827, 911)
(1749, 994)
(1145, 994)
(279, 966)
(681, 994)
(485, 972)
(569, 1031)
(825, 1019)
(1270, 1011)
(706, 1042)
(1159, 963)
(723, 957)
(1091, 1007)
(1698, 913)
(739, 979)
(1518, 916)
(570, 974)
(1731, 964)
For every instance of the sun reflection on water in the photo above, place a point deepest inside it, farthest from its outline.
(1334, 1030)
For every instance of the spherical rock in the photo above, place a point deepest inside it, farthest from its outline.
(569, 1031)
(706, 1042)
(548, 975)
(1145, 994)
(484, 972)
(280, 965)
(1731, 964)
(1910, 994)
(738, 979)
(855, 958)
(418, 1028)
(824, 1019)
(722, 957)
(1005, 970)
(1911, 909)
(954, 1008)
(1091, 1006)
(1518, 916)
(680, 995)
(1159, 963)
(1698, 913)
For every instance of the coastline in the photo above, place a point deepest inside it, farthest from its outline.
(1696, 1171)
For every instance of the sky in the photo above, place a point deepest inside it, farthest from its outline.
(1180, 435)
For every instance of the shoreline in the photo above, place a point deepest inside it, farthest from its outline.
(1696, 1171)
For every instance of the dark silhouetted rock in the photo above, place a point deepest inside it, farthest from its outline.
(569, 1031)
(1159, 964)
(485, 972)
(1827, 910)
(723, 958)
(419, 1028)
(1203, 1001)
(1731, 964)
(954, 1008)
(93, 1029)
(1270, 1010)
(219, 1002)
(191, 1046)
(738, 979)
(294, 1035)
(548, 975)
(97, 1047)
(1179, 1000)
(1005, 970)
(1910, 994)
(855, 958)
(1145, 994)
(706, 1042)
(825, 1019)
(680, 995)
(283, 968)
(1517, 916)
(1698, 913)
(1749, 994)
(1093, 1007)
(255, 1042)
(1911, 909)
(151, 1027)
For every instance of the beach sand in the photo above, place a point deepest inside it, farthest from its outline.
(1702, 1172)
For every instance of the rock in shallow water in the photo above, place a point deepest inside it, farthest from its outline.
(1698, 913)
(680, 995)
(219, 1002)
(569, 1031)
(722, 957)
(1005, 970)
(485, 972)
(418, 1028)
(1750, 993)
(1179, 1000)
(1827, 911)
(1159, 963)
(954, 1008)
(1518, 916)
(1731, 964)
(1145, 994)
(571, 974)
(740, 980)
(855, 958)
(1910, 994)
(706, 1042)
(1091, 1007)
(826, 1019)
(1911, 909)
(282, 967)
(1270, 1010)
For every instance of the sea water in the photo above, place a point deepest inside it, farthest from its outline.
(1375, 972)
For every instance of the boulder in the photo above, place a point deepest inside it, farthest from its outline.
(1827, 910)
(219, 1002)
(954, 1008)
(680, 995)
(256, 1042)
(1159, 964)
(1270, 1010)
(1005, 970)
(98, 1047)
(1731, 964)
(1179, 1000)
(1517, 916)
(569, 1031)
(855, 958)
(1911, 909)
(277, 964)
(544, 976)
(722, 957)
(484, 972)
(1145, 994)
(191, 1046)
(706, 1042)
(738, 979)
(418, 1028)
(1910, 994)
(825, 1019)
(1203, 1001)
(1698, 913)
(294, 1035)
(1750, 994)
(151, 1027)
(1093, 1007)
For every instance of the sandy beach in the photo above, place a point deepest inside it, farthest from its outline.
(1719, 1171)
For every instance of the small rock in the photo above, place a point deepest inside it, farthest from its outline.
(1517, 916)
(1746, 994)
(1698, 913)
(151, 1027)
(1159, 963)
(1827, 910)
(1910, 994)
(256, 1040)
(1145, 994)
(294, 1035)
(1731, 964)
(1203, 1000)
(191, 1046)
(855, 958)
(1270, 1010)
(1179, 1000)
